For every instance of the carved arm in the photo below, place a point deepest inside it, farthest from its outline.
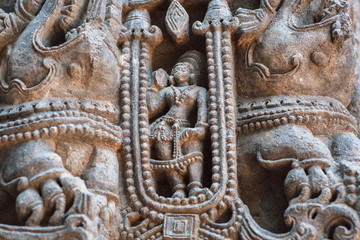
(201, 123)
(254, 22)
(113, 18)
(156, 94)
(202, 108)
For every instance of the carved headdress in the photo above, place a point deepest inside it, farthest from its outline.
(196, 60)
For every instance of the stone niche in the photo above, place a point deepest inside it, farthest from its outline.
(179, 119)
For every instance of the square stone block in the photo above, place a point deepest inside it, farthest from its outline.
(181, 226)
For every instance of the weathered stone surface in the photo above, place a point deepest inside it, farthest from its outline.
(181, 119)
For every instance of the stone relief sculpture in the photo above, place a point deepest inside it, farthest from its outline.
(253, 135)
(58, 136)
(306, 139)
(178, 145)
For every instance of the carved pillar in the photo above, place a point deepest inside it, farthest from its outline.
(137, 50)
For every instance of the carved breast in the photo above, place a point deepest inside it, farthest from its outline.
(295, 57)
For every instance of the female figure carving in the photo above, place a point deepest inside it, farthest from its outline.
(172, 136)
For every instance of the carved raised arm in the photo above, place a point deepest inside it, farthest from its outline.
(113, 18)
(254, 22)
(155, 95)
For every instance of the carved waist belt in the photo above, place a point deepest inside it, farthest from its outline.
(158, 128)
(320, 114)
(180, 164)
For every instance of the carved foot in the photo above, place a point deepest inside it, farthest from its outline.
(30, 208)
(195, 189)
(179, 194)
(310, 182)
(49, 202)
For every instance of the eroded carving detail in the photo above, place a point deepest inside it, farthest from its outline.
(94, 144)
(58, 137)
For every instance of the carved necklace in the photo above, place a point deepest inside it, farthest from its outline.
(181, 95)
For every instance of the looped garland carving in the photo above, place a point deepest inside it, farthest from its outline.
(217, 117)
(289, 119)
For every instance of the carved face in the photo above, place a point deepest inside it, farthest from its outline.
(181, 73)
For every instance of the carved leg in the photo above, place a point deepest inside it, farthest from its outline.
(195, 172)
(102, 178)
(177, 184)
(346, 147)
(346, 150)
(103, 170)
(163, 150)
(30, 208)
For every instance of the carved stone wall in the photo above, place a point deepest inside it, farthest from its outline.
(180, 119)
